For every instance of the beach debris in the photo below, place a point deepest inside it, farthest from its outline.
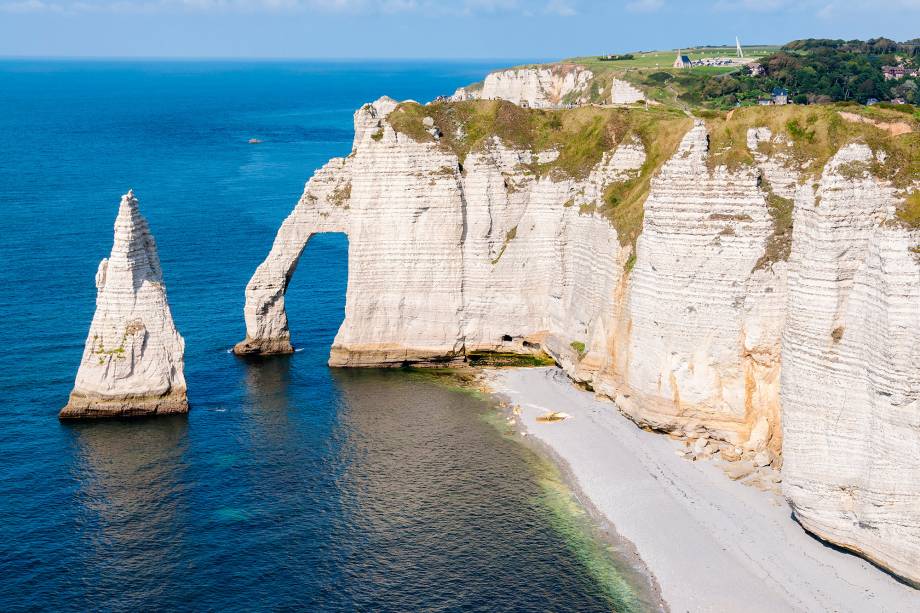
(762, 458)
(730, 453)
(554, 416)
(739, 470)
(700, 444)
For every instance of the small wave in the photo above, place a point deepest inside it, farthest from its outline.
(299, 349)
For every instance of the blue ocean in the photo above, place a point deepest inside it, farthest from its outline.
(289, 486)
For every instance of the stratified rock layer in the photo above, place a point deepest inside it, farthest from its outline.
(695, 348)
(687, 333)
(133, 360)
(851, 369)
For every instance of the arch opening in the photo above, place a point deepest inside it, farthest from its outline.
(315, 294)
(267, 329)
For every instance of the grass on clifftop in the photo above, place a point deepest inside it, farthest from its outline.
(816, 133)
(909, 213)
(581, 136)
(664, 58)
(624, 201)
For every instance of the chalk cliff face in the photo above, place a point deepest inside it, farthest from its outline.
(483, 251)
(851, 368)
(537, 87)
(695, 345)
(133, 360)
(549, 86)
(622, 92)
(687, 331)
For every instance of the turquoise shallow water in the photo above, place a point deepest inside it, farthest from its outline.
(289, 486)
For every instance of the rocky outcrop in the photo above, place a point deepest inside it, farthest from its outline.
(720, 323)
(536, 87)
(133, 360)
(622, 92)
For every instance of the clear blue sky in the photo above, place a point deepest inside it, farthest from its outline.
(426, 28)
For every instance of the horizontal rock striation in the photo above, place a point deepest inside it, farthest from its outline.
(797, 348)
(851, 369)
(133, 360)
(696, 348)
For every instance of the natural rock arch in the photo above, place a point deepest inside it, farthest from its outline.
(685, 331)
(323, 208)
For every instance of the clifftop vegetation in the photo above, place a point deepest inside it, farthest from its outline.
(815, 133)
(821, 71)
(581, 135)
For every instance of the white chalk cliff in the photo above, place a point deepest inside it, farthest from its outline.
(851, 368)
(708, 328)
(537, 87)
(622, 92)
(549, 86)
(133, 360)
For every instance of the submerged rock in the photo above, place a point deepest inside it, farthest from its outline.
(133, 360)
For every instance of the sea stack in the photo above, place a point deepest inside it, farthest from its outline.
(133, 360)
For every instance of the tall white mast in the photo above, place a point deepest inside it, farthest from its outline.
(738, 46)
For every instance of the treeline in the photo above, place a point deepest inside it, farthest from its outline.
(873, 46)
(819, 70)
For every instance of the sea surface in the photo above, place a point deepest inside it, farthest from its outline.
(289, 486)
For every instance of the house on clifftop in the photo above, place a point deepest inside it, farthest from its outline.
(682, 61)
(780, 95)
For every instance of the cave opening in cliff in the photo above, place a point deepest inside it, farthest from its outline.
(315, 297)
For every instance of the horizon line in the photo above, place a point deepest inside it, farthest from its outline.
(264, 58)
(345, 58)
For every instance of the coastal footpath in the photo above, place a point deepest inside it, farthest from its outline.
(749, 280)
(133, 361)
